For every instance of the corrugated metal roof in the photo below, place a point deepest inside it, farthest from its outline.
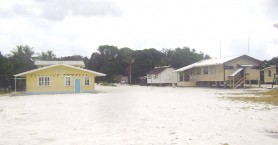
(271, 66)
(70, 66)
(157, 70)
(79, 63)
(213, 61)
(235, 72)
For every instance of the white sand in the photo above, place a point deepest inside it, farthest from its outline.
(137, 115)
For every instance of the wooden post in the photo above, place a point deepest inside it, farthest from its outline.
(244, 76)
(233, 82)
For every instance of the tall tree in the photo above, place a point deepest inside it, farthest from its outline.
(21, 59)
(48, 55)
(107, 61)
(127, 59)
(73, 57)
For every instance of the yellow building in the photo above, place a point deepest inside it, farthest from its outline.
(232, 71)
(270, 74)
(59, 78)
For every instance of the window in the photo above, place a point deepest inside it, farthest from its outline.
(87, 80)
(41, 81)
(256, 67)
(205, 70)
(67, 81)
(44, 81)
(269, 73)
(181, 76)
(192, 71)
(198, 71)
(149, 76)
(213, 70)
(155, 76)
(229, 67)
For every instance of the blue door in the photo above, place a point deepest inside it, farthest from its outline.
(77, 86)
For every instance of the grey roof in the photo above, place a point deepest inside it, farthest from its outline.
(158, 70)
(234, 73)
(208, 62)
(271, 66)
(79, 63)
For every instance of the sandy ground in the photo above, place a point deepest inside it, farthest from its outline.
(135, 115)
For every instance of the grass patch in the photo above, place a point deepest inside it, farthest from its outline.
(4, 90)
(269, 97)
(4, 94)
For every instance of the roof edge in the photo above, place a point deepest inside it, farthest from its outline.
(47, 67)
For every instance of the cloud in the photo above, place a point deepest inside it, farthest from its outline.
(271, 9)
(59, 9)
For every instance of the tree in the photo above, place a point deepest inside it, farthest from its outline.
(96, 61)
(127, 59)
(106, 61)
(181, 57)
(21, 59)
(2, 62)
(48, 55)
(73, 57)
(114, 61)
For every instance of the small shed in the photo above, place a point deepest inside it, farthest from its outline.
(163, 75)
(121, 79)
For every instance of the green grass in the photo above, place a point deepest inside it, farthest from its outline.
(4, 91)
(269, 97)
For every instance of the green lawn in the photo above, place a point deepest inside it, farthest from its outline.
(269, 97)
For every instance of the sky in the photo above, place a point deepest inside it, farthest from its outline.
(70, 27)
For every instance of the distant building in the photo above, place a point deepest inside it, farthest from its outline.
(121, 79)
(161, 76)
(59, 77)
(227, 71)
(143, 80)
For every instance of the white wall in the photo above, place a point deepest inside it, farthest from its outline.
(167, 76)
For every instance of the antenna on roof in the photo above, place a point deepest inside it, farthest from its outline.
(220, 48)
(248, 46)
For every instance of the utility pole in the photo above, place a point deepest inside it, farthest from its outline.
(220, 48)
(130, 64)
(248, 46)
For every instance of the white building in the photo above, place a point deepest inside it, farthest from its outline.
(161, 76)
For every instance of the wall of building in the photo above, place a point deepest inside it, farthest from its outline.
(218, 76)
(267, 78)
(191, 75)
(167, 76)
(57, 80)
(194, 76)
(254, 74)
